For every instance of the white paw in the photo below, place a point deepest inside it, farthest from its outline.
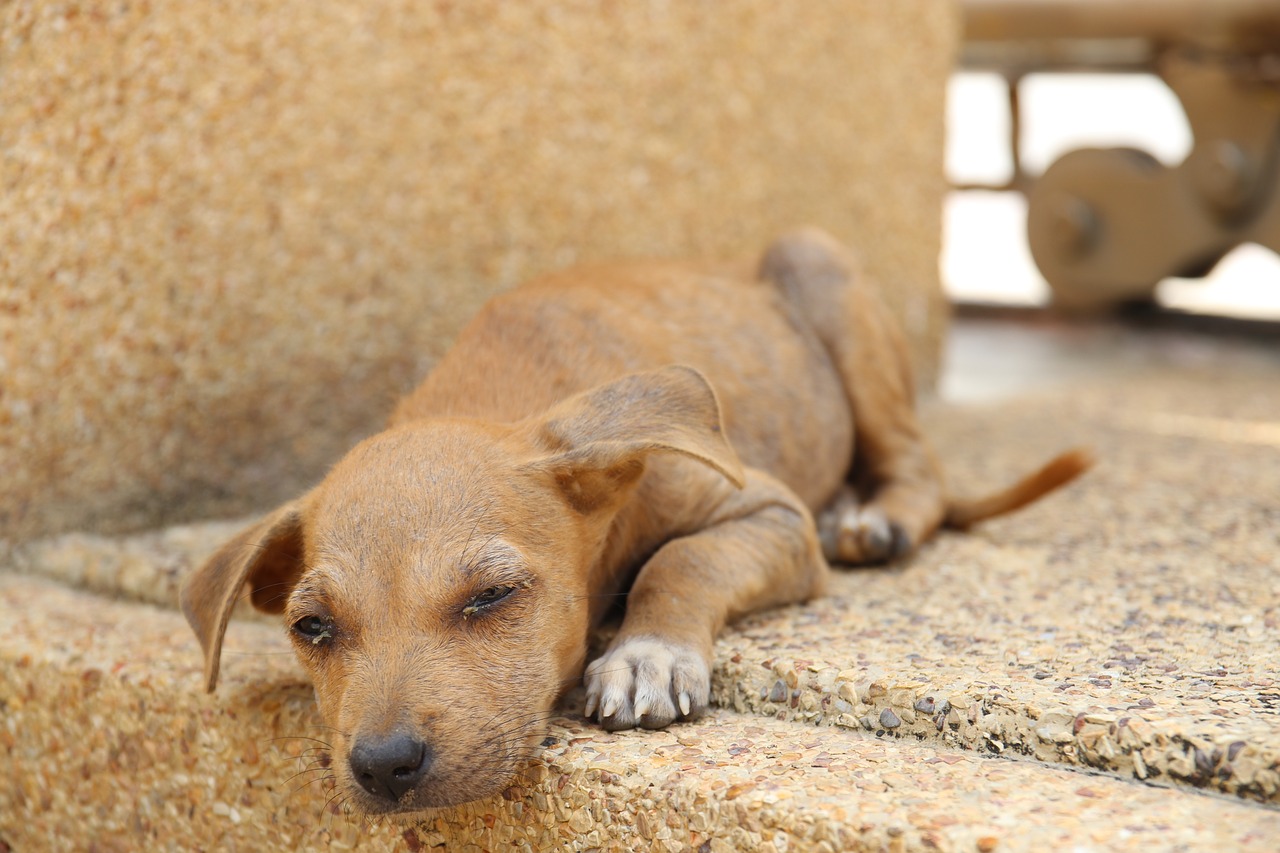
(649, 682)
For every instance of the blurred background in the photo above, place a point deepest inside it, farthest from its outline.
(985, 255)
(1136, 144)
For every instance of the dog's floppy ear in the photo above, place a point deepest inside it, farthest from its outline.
(597, 441)
(267, 558)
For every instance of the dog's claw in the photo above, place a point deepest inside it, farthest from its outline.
(649, 682)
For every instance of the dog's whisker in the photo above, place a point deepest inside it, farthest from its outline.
(513, 714)
(321, 760)
(286, 587)
(481, 548)
(323, 768)
(333, 796)
(301, 737)
(342, 808)
(499, 722)
(315, 757)
(518, 727)
(485, 513)
(524, 719)
(319, 780)
(301, 773)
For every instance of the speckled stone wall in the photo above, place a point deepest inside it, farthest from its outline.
(231, 233)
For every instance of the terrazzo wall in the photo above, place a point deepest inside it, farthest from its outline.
(232, 233)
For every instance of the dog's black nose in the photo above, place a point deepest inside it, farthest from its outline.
(388, 766)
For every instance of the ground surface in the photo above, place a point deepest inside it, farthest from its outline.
(1100, 671)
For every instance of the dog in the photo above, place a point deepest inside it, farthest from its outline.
(703, 438)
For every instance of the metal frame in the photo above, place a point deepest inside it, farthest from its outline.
(1106, 225)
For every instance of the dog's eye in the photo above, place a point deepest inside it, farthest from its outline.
(314, 629)
(492, 595)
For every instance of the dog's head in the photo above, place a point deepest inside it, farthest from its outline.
(436, 584)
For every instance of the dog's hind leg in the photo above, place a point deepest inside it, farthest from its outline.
(894, 471)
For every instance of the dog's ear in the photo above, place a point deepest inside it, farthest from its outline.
(597, 441)
(267, 558)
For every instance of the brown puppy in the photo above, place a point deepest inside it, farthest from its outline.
(442, 581)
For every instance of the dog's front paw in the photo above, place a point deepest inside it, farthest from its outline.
(649, 682)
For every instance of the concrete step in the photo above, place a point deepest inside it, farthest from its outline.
(108, 739)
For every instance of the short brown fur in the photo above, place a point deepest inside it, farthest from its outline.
(443, 580)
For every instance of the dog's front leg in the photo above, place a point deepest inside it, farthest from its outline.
(756, 549)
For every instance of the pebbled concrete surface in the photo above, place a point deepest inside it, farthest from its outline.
(110, 741)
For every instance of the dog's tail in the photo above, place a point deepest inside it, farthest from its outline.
(1062, 469)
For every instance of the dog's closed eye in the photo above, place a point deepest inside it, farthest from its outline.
(487, 598)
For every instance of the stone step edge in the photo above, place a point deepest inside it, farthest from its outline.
(576, 796)
(979, 717)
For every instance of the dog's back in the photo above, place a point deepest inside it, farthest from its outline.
(784, 407)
